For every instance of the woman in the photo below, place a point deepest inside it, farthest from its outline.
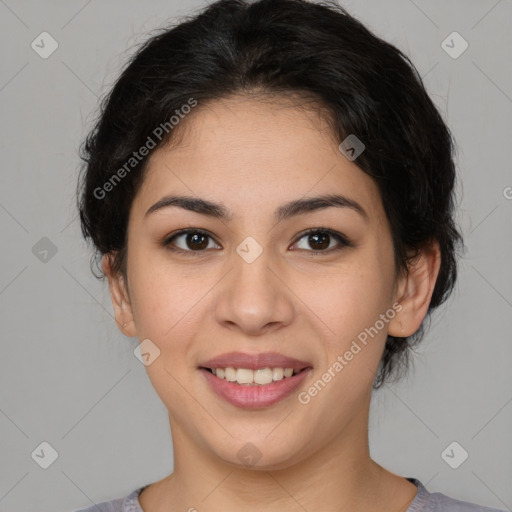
(271, 191)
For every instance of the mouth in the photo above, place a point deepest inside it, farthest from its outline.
(257, 377)
(254, 381)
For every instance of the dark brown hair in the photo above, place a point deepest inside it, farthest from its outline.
(368, 87)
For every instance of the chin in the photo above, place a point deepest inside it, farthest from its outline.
(258, 454)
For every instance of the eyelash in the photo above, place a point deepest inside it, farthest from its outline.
(341, 239)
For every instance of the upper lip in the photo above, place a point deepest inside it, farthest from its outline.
(255, 361)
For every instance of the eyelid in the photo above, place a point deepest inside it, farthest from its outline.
(167, 241)
(342, 240)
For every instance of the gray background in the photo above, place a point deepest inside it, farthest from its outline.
(68, 377)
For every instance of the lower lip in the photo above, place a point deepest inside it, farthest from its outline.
(254, 396)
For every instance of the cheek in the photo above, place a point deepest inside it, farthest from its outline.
(347, 300)
(351, 306)
(164, 312)
(163, 298)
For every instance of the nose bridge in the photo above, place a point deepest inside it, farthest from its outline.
(253, 297)
(252, 279)
(251, 270)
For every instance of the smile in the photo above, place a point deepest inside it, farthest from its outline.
(246, 376)
(253, 381)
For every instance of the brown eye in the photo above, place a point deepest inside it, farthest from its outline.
(189, 241)
(196, 241)
(317, 240)
(320, 240)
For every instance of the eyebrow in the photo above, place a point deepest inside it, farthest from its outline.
(285, 211)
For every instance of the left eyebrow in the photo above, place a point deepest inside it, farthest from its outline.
(311, 204)
(285, 211)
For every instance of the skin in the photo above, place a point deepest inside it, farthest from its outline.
(252, 156)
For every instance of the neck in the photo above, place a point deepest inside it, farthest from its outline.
(340, 477)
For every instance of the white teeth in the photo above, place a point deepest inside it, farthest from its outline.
(277, 374)
(244, 376)
(261, 376)
(230, 374)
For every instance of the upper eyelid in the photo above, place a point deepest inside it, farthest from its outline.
(167, 240)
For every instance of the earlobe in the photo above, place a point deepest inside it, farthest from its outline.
(415, 289)
(120, 298)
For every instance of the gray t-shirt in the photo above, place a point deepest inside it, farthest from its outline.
(423, 502)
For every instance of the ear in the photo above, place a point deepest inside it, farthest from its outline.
(120, 298)
(415, 289)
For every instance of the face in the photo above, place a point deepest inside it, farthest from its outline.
(256, 283)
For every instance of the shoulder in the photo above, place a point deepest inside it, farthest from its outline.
(441, 503)
(129, 503)
(438, 502)
(105, 506)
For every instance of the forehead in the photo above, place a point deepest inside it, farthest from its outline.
(248, 153)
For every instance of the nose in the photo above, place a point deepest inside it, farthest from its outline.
(254, 298)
